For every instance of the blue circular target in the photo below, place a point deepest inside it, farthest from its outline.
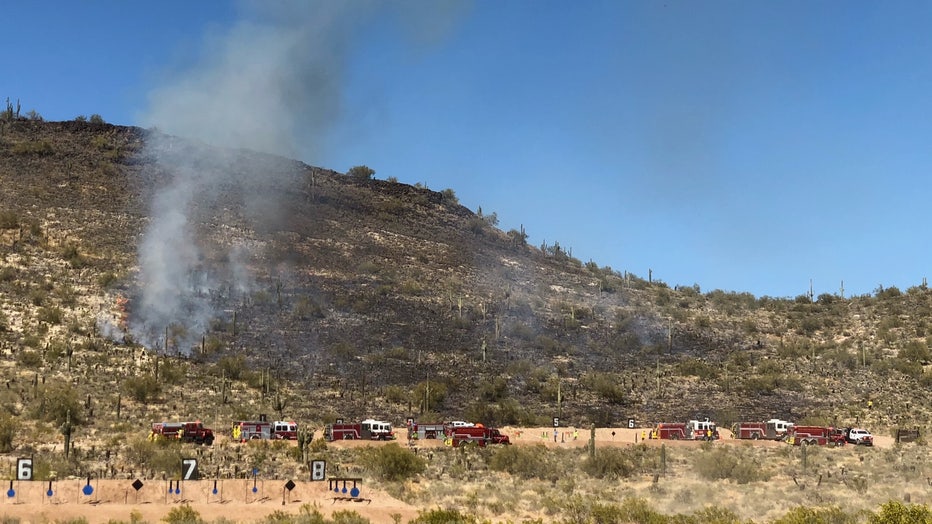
(354, 492)
(344, 489)
(177, 491)
(215, 491)
(49, 493)
(11, 493)
(255, 489)
(87, 489)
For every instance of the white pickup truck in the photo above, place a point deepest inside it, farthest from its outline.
(859, 436)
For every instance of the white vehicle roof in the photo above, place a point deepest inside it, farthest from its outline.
(461, 424)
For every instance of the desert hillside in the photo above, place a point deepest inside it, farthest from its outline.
(145, 278)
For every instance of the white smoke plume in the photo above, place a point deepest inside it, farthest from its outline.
(272, 83)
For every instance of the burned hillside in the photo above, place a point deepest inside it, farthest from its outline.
(355, 296)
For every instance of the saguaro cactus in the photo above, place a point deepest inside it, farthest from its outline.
(592, 441)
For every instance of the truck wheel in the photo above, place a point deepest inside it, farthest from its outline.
(674, 437)
(755, 436)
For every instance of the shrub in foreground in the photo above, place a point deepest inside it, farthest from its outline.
(392, 462)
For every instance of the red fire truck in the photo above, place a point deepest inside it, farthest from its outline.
(182, 431)
(479, 435)
(819, 435)
(264, 430)
(692, 430)
(426, 431)
(756, 431)
(367, 430)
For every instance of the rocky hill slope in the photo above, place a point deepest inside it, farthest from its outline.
(147, 277)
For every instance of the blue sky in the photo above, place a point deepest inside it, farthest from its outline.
(743, 145)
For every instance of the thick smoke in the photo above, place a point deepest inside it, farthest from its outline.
(270, 83)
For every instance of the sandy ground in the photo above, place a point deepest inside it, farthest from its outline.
(250, 501)
(234, 500)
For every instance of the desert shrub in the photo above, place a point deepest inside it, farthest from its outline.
(368, 267)
(317, 445)
(443, 516)
(805, 515)
(106, 279)
(506, 412)
(398, 353)
(609, 463)
(637, 510)
(361, 172)
(183, 514)
(895, 512)
(142, 388)
(605, 385)
(41, 148)
(495, 390)
(8, 428)
(73, 256)
(97, 119)
(396, 394)
(50, 315)
(449, 196)
(916, 351)
(411, 288)
(767, 384)
(306, 308)
(697, 368)
(29, 359)
(716, 515)
(907, 367)
(8, 274)
(890, 292)
(9, 219)
(158, 456)
(527, 462)
(344, 350)
(521, 331)
(348, 516)
(728, 464)
(429, 395)
(171, 371)
(56, 404)
(476, 225)
(231, 367)
(392, 462)
(311, 515)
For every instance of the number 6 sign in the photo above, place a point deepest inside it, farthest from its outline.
(24, 469)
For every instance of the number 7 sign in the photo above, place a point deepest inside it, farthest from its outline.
(189, 469)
